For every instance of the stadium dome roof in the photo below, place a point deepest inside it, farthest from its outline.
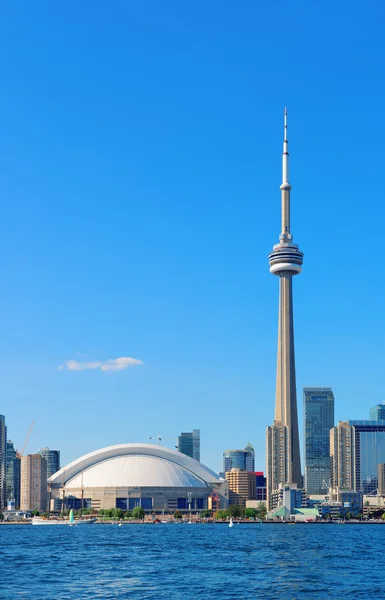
(134, 465)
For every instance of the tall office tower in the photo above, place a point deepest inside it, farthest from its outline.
(53, 460)
(13, 474)
(33, 493)
(377, 413)
(239, 459)
(318, 405)
(197, 444)
(242, 486)
(381, 478)
(282, 440)
(190, 443)
(357, 448)
(3, 462)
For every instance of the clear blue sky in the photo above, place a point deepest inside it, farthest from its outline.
(140, 163)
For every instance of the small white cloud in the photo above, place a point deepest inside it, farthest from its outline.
(112, 364)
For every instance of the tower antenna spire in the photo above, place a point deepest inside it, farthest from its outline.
(285, 155)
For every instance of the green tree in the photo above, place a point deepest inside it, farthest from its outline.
(261, 511)
(205, 514)
(138, 512)
(220, 515)
(118, 513)
(235, 510)
(383, 516)
(178, 515)
(1, 516)
(250, 513)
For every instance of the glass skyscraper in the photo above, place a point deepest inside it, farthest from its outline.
(3, 462)
(239, 459)
(189, 443)
(377, 413)
(53, 460)
(13, 474)
(318, 421)
(357, 454)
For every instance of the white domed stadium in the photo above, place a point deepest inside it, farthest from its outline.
(130, 475)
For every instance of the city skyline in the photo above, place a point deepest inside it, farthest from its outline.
(138, 187)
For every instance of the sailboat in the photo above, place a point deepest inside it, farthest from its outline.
(72, 518)
(71, 521)
(231, 522)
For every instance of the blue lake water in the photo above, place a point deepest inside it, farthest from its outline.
(185, 562)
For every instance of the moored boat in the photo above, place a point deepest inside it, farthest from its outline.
(76, 522)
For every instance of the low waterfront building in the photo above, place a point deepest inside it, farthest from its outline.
(348, 499)
(289, 496)
(256, 503)
(128, 475)
(373, 506)
(288, 503)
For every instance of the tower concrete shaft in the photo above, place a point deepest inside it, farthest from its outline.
(286, 389)
(285, 262)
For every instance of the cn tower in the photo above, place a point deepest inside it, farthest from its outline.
(283, 456)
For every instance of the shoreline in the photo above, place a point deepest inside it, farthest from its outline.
(10, 523)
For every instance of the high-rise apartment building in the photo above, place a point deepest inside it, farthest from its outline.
(342, 456)
(190, 443)
(381, 478)
(282, 440)
(357, 448)
(53, 460)
(318, 411)
(3, 462)
(33, 493)
(239, 459)
(242, 486)
(377, 413)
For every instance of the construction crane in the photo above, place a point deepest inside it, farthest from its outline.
(20, 454)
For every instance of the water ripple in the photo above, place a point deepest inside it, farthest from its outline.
(171, 562)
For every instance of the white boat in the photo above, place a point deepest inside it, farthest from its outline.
(231, 522)
(74, 523)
